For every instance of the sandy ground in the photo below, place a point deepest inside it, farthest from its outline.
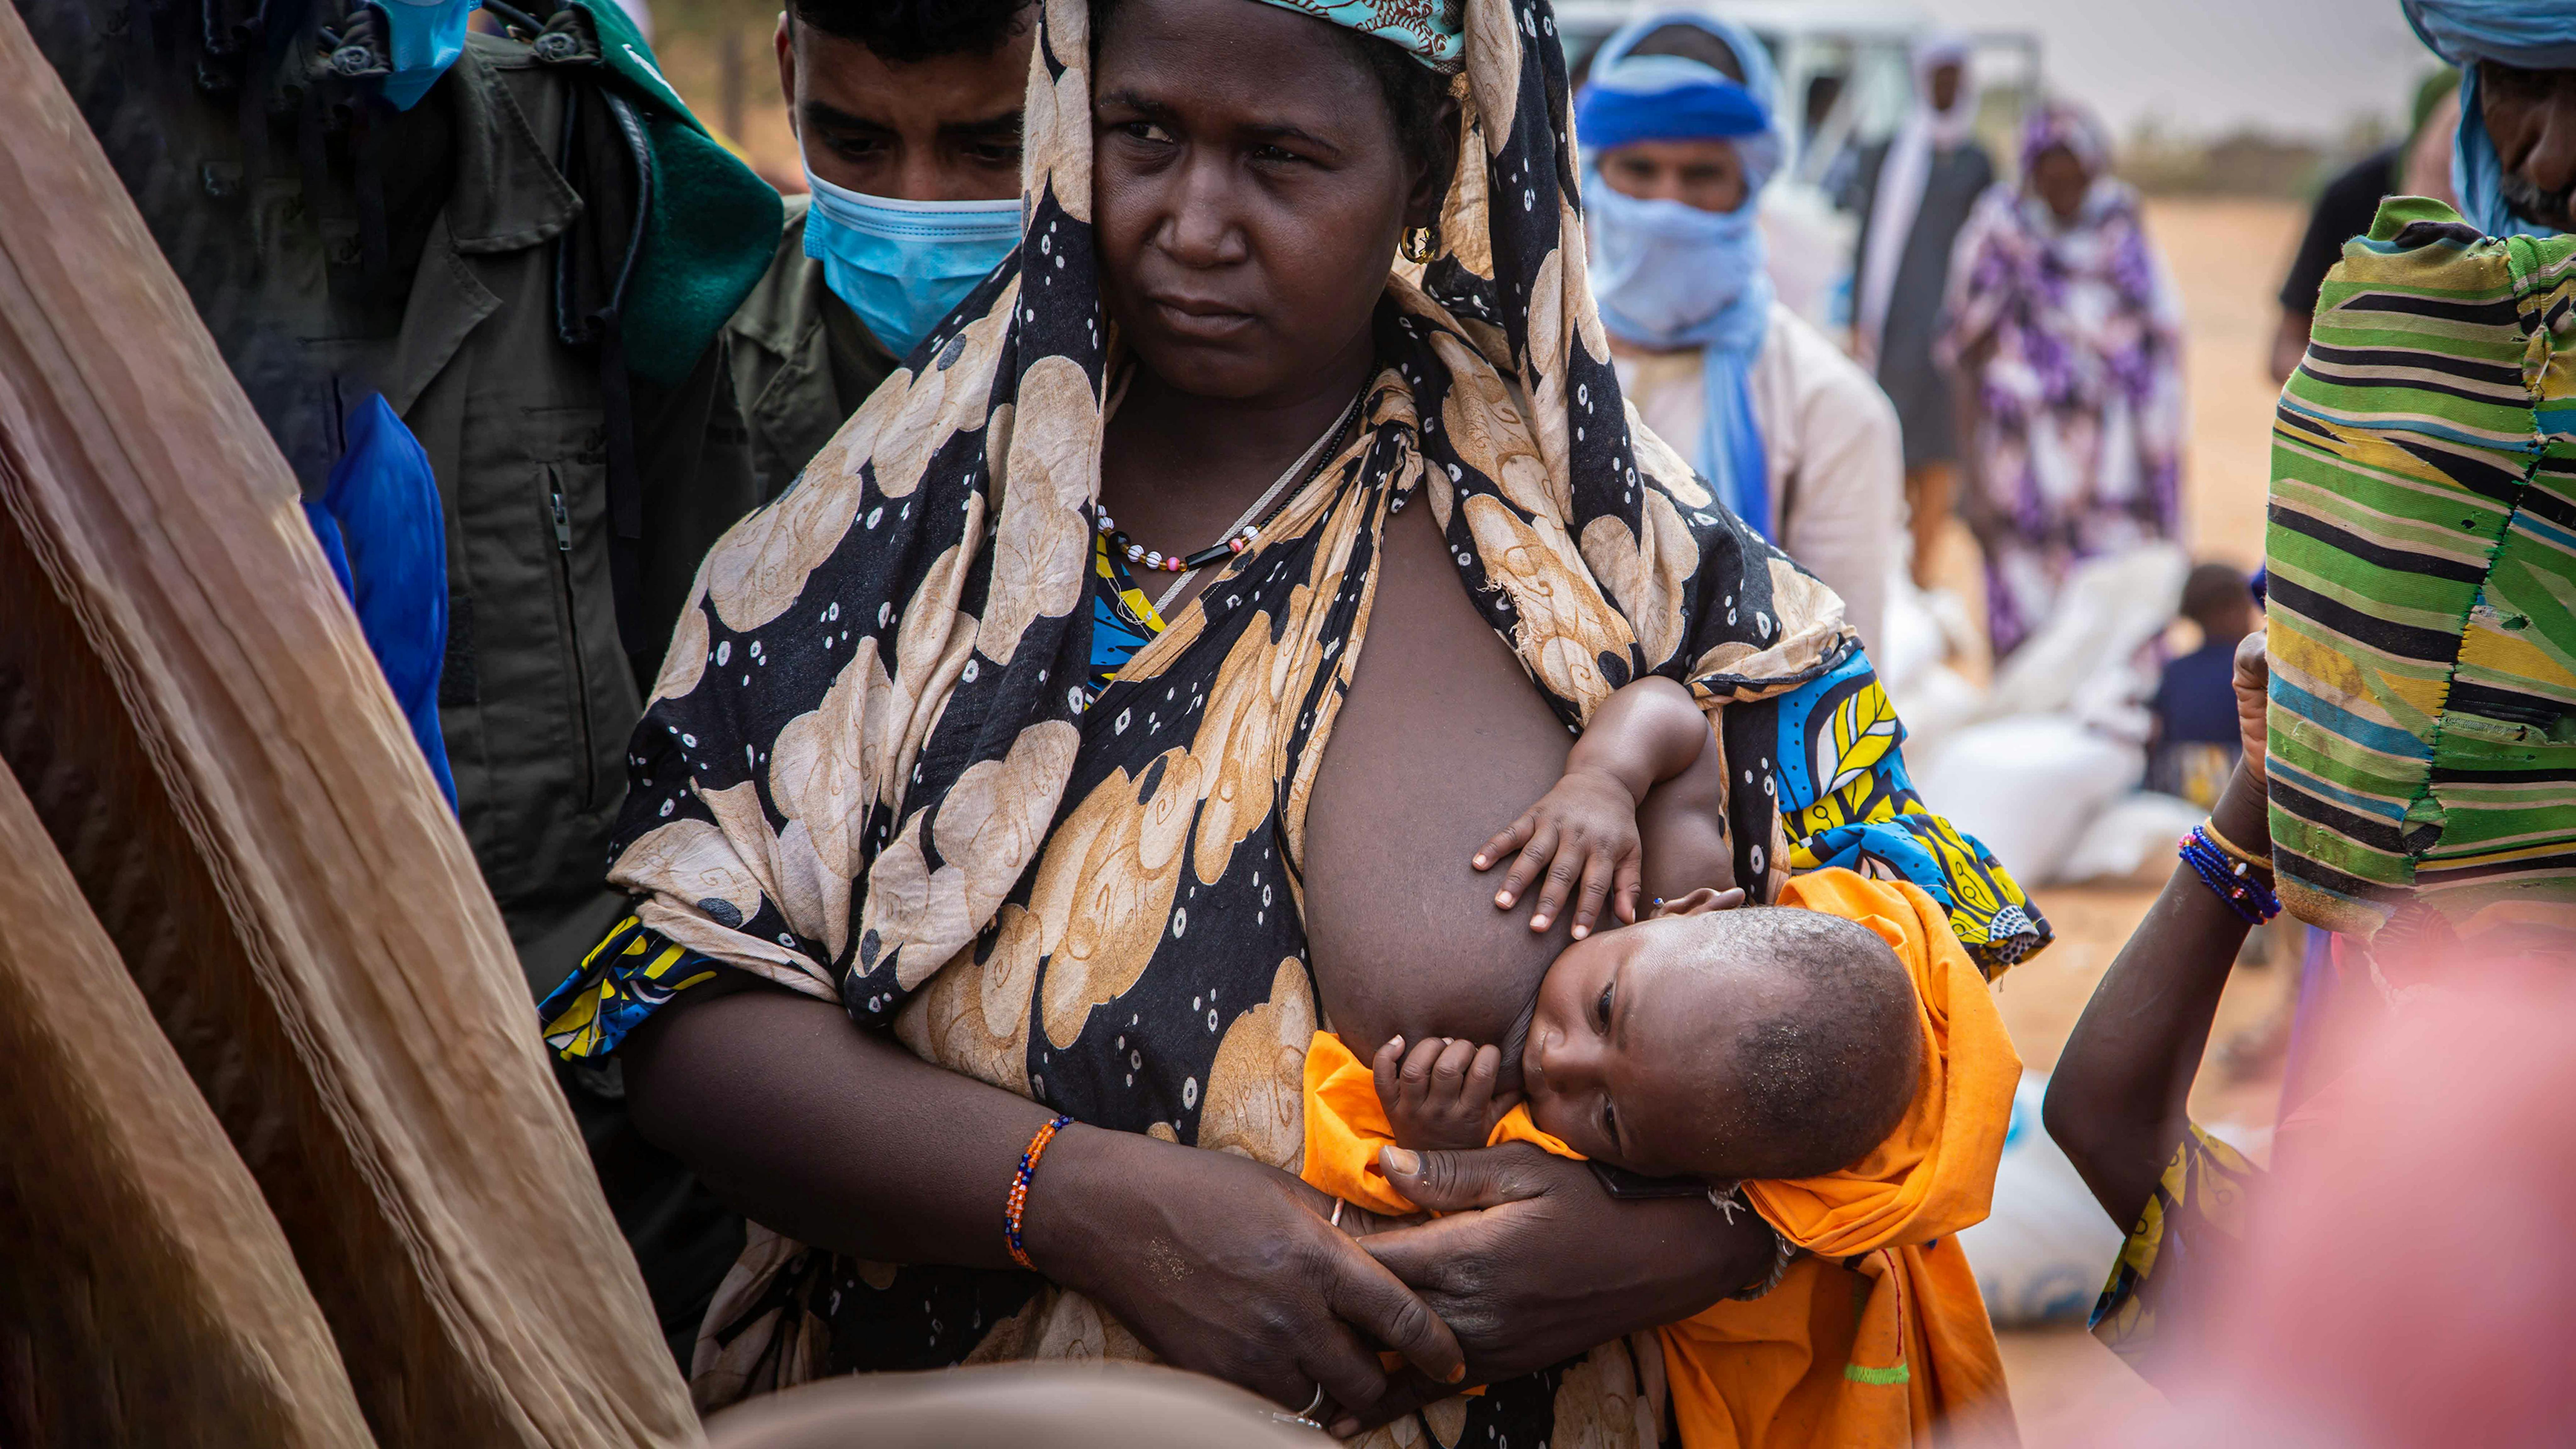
(2227, 256)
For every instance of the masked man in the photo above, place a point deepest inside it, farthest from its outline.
(909, 118)
(1678, 136)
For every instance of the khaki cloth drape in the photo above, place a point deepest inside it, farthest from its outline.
(209, 747)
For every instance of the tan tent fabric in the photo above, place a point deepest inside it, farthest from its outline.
(150, 1296)
(193, 713)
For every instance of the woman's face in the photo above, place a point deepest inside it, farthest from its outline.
(2061, 181)
(1248, 193)
(1705, 174)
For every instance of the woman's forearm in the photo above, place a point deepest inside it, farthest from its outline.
(843, 1139)
(2117, 1100)
(831, 1135)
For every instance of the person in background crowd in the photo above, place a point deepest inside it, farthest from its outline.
(908, 116)
(2513, 160)
(2195, 713)
(2067, 333)
(2419, 165)
(1914, 192)
(1679, 136)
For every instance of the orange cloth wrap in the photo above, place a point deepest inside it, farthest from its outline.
(1878, 1331)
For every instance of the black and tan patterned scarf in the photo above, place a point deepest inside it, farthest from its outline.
(868, 773)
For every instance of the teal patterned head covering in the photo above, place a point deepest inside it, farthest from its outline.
(1427, 30)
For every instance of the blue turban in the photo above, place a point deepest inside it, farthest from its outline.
(1669, 275)
(1671, 98)
(2525, 34)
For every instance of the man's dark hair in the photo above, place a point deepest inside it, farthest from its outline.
(1416, 95)
(2215, 593)
(1820, 1083)
(901, 32)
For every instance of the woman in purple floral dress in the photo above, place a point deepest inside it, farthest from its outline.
(2069, 331)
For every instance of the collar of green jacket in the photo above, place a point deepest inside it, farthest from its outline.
(786, 305)
(710, 223)
(801, 361)
(509, 193)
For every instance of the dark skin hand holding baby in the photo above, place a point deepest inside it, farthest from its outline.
(1834, 1064)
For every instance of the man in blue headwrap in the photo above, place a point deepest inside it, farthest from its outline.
(1678, 138)
(2514, 164)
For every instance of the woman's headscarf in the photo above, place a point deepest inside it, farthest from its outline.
(1429, 32)
(2055, 123)
(1907, 170)
(1668, 274)
(871, 709)
(2527, 34)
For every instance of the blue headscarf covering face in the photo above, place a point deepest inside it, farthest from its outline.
(2526, 34)
(1667, 274)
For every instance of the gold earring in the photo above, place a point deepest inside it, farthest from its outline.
(1421, 245)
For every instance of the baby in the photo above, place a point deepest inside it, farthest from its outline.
(1835, 1060)
(1706, 1041)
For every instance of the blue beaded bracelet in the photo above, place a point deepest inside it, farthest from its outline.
(2232, 880)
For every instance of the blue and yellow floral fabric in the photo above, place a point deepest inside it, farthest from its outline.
(1122, 618)
(2197, 1213)
(1846, 800)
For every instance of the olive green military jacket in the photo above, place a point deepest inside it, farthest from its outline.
(539, 693)
(802, 362)
(454, 319)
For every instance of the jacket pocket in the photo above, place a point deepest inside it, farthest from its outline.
(576, 657)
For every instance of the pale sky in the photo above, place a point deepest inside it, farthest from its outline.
(2304, 67)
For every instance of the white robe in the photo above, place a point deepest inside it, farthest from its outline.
(1836, 456)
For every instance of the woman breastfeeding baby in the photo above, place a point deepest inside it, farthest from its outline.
(1123, 695)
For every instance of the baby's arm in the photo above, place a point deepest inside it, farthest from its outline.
(1439, 1096)
(1585, 830)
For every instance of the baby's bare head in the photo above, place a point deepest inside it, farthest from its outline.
(1765, 1042)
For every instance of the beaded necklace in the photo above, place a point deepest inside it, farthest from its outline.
(1240, 534)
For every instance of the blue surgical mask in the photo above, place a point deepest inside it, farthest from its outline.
(422, 39)
(1667, 274)
(903, 265)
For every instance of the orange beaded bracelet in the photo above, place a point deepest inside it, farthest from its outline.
(1020, 1188)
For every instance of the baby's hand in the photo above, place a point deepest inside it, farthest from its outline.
(1439, 1096)
(1586, 826)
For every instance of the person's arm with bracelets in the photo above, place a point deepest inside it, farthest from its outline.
(2116, 1102)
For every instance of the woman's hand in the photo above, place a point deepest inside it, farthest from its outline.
(1551, 1266)
(1228, 1268)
